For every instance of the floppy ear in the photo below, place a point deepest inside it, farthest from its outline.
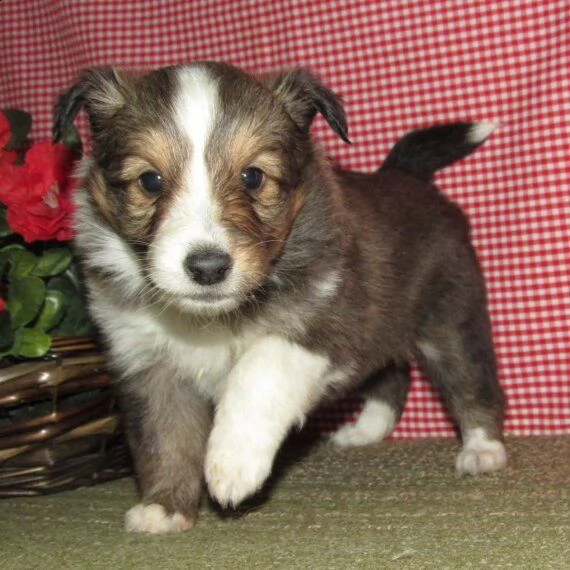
(304, 95)
(100, 91)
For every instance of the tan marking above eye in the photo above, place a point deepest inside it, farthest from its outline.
(270, 163)
(153, 150)
(248, 149)
(133, 167)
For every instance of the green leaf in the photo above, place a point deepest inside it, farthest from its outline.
(4, 227)
(6, 332)
(52, 312)
(52, 262)
(20, 125)
(76, 320)
(11, 247)
(30, 343)
(22, 263)
(6, 255)
(4, 258)
(25, 299)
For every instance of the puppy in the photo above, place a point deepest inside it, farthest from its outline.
(239, 279)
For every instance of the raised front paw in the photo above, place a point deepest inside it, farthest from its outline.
(235, 471)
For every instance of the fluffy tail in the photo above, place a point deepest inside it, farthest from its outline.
(423, 152)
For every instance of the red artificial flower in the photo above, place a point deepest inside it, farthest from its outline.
(7, 157)
(5, 136)
(5, 131)
(38, 193)
(2, 305)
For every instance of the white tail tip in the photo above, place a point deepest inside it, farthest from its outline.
(481, 131)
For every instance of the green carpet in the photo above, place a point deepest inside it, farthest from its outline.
(394, 505)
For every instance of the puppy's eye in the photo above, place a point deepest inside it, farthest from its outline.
(151, 182)
(253, 178)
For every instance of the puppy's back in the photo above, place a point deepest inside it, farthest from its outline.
(400, 199)
(410, 242)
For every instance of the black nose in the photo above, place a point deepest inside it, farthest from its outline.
(208, 267)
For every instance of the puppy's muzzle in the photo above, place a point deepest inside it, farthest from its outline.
(208, 267)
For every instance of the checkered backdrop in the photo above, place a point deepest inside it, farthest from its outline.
(399, 64)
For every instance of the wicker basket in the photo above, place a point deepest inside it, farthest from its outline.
(59, 426)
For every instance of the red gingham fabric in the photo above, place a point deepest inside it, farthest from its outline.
(399, 64)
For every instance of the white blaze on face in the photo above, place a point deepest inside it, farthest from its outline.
(192, 219)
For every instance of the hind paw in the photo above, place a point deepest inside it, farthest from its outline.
(480, 455)
(374, 423)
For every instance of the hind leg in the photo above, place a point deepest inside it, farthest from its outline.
(385, 396)
(460, 360)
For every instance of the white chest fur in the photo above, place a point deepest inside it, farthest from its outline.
(142, 338)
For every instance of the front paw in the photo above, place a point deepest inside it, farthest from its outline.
(154, 519)
(235, 472)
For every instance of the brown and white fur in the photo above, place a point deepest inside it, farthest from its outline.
(239, 279)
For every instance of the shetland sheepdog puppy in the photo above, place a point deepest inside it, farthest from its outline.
(239, 278)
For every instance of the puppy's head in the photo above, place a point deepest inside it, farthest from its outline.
(199, 170)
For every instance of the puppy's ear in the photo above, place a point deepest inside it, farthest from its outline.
(100, 91)
(304, 95)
